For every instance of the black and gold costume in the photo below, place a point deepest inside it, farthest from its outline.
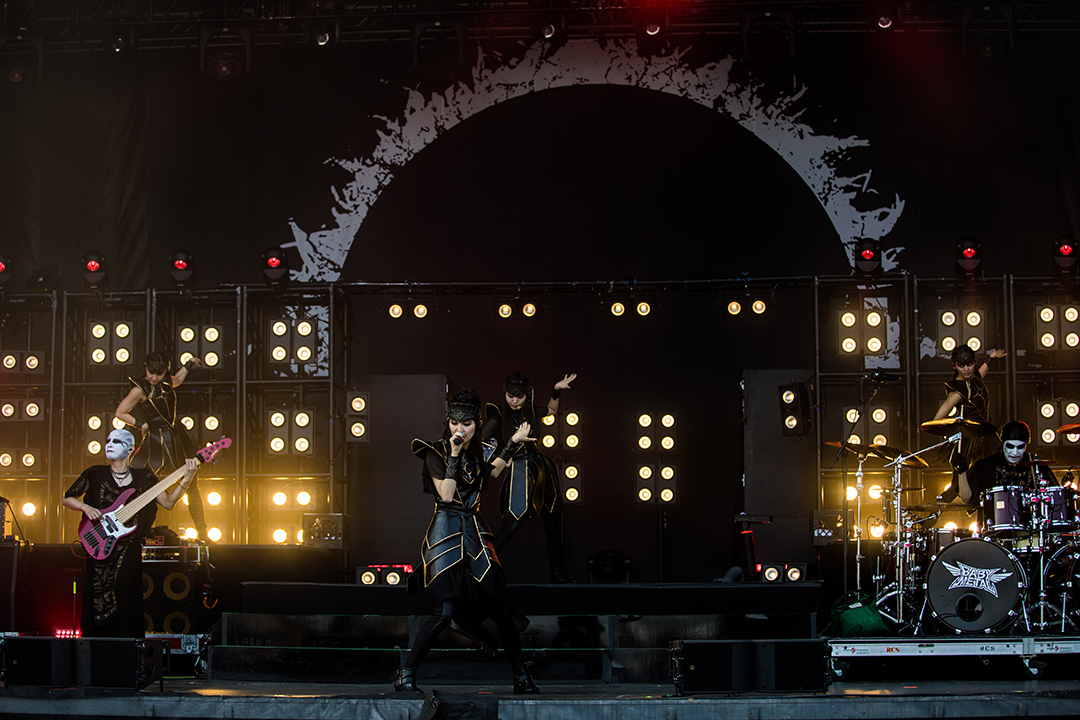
(113, 587)
(530, 483)
(996, 471)
(167, 443)
(974, 405)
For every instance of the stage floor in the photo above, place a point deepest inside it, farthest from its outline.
(189, 698)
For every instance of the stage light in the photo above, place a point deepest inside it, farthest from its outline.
(5, 271)
(7, 411)
(643, 308)
(182, 269)
(505, 311)
(275, 267)
(645, 482)
(758, 306)
(974, 526)
(320, 35)
(868, 257)
(795, 573)
(772, 573)
(211, 422)
(618, 309)
(280, 536)
(644, 495)
(94, 271)
(572, 418)
(29, 459)
(392, 577)
(93, 447)
(214, 534)
(529, 309)
(734, 308)
(28, 509)
(852, 493)
(213, 498)
(950, 526)
(277, 444)
(668, 484)
(877, 531)
(395, 310)
(968, 257)
(1065, 254)
(10, 362)
(356, 416)
(548, 441)
(644, 442)
(369, 577)
(303, 498)
(795, 409)
(644, 420)
(420, 310)
(572, 441)
(279, 498)
(6, 459)
(885, 18)
(874, 492)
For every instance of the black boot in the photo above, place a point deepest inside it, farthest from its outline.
(523, 682)
(404, 681)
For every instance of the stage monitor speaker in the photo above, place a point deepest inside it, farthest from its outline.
(37, 661)
(9, 577)
(712, 665)
(173, 598)
(127, 663)
(790, 665)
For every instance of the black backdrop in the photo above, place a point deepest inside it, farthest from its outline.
(137, 155)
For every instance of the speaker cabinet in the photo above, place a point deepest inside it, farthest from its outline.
(790, 665)
(712, 665)
(172, 598)
(126, 663)
(37, 661)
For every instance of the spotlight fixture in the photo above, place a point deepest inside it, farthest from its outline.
(275, 267)
(5, 271)
(182, 269)
(795, 409)
(93, 271)
(1065, 254)
(652, 26)
(224, 66)
(884, 18)
(356, 417)
(868, 257)
(320, 34)
(968, 257)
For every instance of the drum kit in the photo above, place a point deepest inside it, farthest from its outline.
(1018, 571)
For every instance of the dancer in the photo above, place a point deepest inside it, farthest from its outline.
(967, 391)
(531, 485)
(460, 566)
(165, 441)
(113, 587)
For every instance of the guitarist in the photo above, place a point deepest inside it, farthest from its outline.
(112, 592)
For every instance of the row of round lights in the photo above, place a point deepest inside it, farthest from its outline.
(667, 442)
(506, 310)
(972, 318)
(1048, 410)
(757, 307)
(280, 498)
(790, 421)
(1047, 339)
(122, 331)
(281, 536)
(28, 459)
(30, 362)
(94, 422)
(397, 310)
(211, 422)
(210, 334)
(32, 409)
(302, 420)
(571, 472)
(357, 428)
(391, 577)
(618, 309)
(874, 319)
(878, 415)
(572, 440)
(667, 472)
(280, 328)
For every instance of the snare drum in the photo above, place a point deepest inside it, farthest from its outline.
(1004, 511)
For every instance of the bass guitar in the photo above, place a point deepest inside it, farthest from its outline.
(100, 536)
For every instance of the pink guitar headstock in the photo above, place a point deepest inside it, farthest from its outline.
(209, 452)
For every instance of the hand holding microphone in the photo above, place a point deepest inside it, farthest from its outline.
(458, 438)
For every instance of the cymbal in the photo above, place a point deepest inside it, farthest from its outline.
(891, 453)
(948, 426)
(854, 447)
(1032, 463)
(1068, 429)
(914, 488)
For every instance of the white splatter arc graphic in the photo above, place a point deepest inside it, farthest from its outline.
(816, 158)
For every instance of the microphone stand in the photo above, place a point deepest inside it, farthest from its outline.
(843, 488)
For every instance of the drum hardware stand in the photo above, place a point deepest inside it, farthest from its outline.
(904, 536)
(1041, 518)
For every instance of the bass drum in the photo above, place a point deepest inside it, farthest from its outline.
(975, 585)
(1062, 583)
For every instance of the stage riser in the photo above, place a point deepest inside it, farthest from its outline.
(442, 666)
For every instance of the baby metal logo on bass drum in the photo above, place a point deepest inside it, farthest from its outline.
(977, 578)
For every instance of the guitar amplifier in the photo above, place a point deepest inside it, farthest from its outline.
(37, 661)
(126, 663)
(173, 598)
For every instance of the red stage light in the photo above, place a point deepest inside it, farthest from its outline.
(868, 254)
(3, 267)
(1065, 249)
(273, 262)
(969, 252)
(180, 265)
(93, 266)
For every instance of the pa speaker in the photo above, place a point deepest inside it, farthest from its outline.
(37, 661)
(712, 665)
(790, 665)
(127, 663)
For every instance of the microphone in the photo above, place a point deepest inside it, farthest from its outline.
(881, 376)
(457, 439)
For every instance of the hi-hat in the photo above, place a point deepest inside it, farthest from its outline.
(891, 453)
(948, 426)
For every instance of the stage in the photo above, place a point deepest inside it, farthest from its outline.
(598, 701)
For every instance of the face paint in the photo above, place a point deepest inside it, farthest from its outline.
(119, 444)
(1014, 450)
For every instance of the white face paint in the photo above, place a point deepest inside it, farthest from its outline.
(119, 444)
(1014, 450)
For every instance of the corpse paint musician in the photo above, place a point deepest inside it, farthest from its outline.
(1010, 467)
(112, 593)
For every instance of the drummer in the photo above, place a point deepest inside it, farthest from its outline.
(1011, 466)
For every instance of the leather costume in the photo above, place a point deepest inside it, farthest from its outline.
(113, 586)
(457, 547)
(167, 443)
(974, 405)
(531, 482)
